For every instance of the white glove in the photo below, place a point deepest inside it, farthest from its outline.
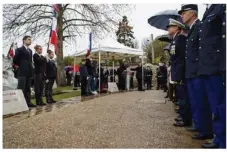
(87, 78)
(47, 81)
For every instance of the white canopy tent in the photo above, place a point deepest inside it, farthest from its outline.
(110, 49)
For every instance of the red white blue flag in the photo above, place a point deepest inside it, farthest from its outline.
(53, 33)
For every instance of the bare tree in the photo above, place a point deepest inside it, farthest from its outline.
(72, 19)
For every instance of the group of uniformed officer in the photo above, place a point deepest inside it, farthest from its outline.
(198, 66)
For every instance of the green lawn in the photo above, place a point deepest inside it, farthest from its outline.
(57, 95)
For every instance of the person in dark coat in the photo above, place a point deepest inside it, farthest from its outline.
(90, 73)
(102, 78)
(158, 77)
(131, 80)
(40, 73)
(139, 76)
(94, 78)
(51, 74)
(121, 79)
(149, 78)
(68, 76)
(177, 57)
(23, 59)
(106, 74)
(113, 73)
(83, 78)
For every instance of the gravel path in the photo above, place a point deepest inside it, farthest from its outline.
(124, 120)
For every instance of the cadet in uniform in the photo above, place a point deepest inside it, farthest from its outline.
(189, 15)
(177, 57)
(211, 66)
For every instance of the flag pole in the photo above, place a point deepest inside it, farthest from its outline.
(99, 71)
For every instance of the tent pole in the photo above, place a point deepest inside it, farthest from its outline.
(113, 70)
(99, 71)
(142, 72)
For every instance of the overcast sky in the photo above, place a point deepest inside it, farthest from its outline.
(138, 19)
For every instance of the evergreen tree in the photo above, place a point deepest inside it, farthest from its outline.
(125, 33)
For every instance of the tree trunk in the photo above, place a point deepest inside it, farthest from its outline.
(61, 81)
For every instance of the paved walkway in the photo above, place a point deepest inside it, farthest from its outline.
(123, 120)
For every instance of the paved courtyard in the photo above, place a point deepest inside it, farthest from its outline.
(122, 120)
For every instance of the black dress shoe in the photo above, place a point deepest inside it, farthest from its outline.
(192, 129)
(177, 111)
(51, 101)
(178, 119)
(202, 137)
(209, 145)
(41, 104)
(179, 124)
(31, 105)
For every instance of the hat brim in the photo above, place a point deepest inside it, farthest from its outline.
(171, 25)
(181, 11)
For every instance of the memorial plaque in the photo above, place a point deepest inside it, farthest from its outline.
(14, 102)
(112, 87)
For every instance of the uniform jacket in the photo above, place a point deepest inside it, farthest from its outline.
(51, 70)
(212, 38)
(177, 57)
(192, 51)
(83, 71)
(23, 58)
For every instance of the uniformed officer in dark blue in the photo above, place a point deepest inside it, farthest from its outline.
(189, 15)
(211, 66)
(177, 57)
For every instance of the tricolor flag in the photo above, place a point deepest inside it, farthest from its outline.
(53, 33)
(90, 44)
(11, 53)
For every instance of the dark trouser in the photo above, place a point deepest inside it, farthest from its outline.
(39, 85)
(89, 84)
(131, 83)
(164, 84)
(24, 83)
(198, 102)
(112, 79)
(76, 79)
(170, 91)
(83, 86)
(121, 83)
(148, 83)
(48, 90)
(139, 84)
(158, 83)
(184, 105)
(69, 79)
(216, 95)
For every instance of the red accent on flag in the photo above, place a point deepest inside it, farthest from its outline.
(54, 38)
(11, 52)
